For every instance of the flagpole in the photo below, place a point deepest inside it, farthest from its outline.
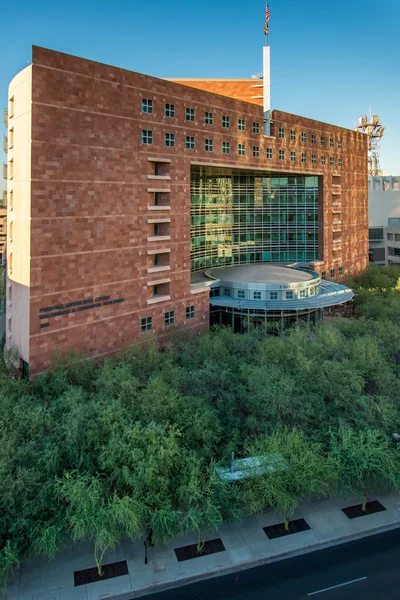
(267, 77)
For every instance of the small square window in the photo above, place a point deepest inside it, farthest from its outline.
(331, 143)
(269, 152)
(331, 161)
(292, 134)
(323, 140)
(147, 324)
(303, 137)
(190, 114)
(323, 275)
(281, 132)
(302, 294)
(256, 295)
(208, 118)
(340, 271)
(155, 198)
(340, 144)
(293, 156)
(241, 125)
(155, 290)
(340, 162)
(332, 273)
(242, 149)
(226, 121)
(323, 160)
(273, 295)
(169, 110)
(313, 138)
(226, 147)
(147, 106)
(190, 314)
(281, 155)
(240, 294)
(227, 291)
(169, 318)
(170, 140)
(189, 142)
(289, 295)
(256, 127)
(303, 157)
(209, 145)
(256, 151)
(147, 136)
(314, 159)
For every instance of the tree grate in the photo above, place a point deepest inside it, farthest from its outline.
(295, 526)
(91, 575)
(352, 512)
(189, 552)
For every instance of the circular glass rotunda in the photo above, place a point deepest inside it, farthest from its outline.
(252, 295)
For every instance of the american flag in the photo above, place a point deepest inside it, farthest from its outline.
(267, 15)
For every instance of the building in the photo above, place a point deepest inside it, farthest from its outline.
(3, 228)
(122, 187)
(383, 205)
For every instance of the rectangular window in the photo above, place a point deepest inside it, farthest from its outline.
(323, 275)
(303, 137)
(190, 312)
(281, 132)
(169, 110)
(389, 237)
(147, 324)
(155, 290)
(293, 156)
(10, 168)
(323, 140)
(226, 121)
(242, 149)
(155, 232)
(209, 145)
(190, 114)
(303, 157)
(169, 318)
(10, 138)
(241, 124)
(289, 295)
(273, 295)
(340, 271)
(147, 136)
(170, 140)
(292, 134)
(189, 142)
(323, 160)
(256, 151)
(208, 118)
(281, 155)
(269, 152)
(240, 294)
(226, 147)
(11, 199)
(331, 161)
(256, 127)
(339, 144)
(11, 107)
(313, 138)
(256, 295)
(147, 106)
(376, 234)
(314, 159)
(331, 143)
(227, 291)
(339, 162)
(332, 273)
(302, 294)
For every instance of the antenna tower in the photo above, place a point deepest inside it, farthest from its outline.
(374, 130)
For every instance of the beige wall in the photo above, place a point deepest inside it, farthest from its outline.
(19, 212)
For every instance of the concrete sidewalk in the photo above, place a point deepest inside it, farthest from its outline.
(246, 545)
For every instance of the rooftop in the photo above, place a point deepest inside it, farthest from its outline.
(260, 273)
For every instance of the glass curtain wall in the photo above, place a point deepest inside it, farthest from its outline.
(241, 217)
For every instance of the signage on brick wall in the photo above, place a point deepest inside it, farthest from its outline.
(57, 310)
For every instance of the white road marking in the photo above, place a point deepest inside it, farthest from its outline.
(336, 586)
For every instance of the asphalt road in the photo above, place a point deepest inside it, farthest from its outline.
(366, 569)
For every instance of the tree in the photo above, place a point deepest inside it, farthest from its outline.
(365, 459)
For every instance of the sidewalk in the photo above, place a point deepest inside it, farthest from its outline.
(246, 545)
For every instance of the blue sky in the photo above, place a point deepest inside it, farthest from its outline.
(330, 60)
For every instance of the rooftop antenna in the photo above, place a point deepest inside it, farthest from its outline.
(374, 130)
(267, 76)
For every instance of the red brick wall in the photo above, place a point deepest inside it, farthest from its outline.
(241, 89)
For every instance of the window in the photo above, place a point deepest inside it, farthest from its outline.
(389, 237)
(332, 273)
(11, 107)
(147, 106)
(339, 162)
(190, 312)
(208, 118)
(323, 140)
(281, 155)
(323, 275)
(311, 290)
(10, 168)
(281, 132)
(302, 294)
(155, 232)
(189, 142)
(169, 110)
(257, 295)
(169, 318)
(190, 114)
(170, 140)
(292, 134)
(226, 121)
(376, 235)
(303, 137)
(313, 138)
(11, 137)
(331, 143)
(289, 295)
(256, 127)
(340, 271)
(256, 151)
(340, 144)
(314, 159)
(147, 136)
(227, 291)
(273, 295)
(396, 236)
(269, 152)
(11, 199)
(331, 161)
(323, 160)
(242, 149)
(293, 156)
(226, 148)
(155, 290)
(240, 294)
(11, 230)
(147, 324)
(241, 124)
(209, 145)
(303, 157)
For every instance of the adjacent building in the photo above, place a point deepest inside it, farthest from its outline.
(384, 212)
(124, 189)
